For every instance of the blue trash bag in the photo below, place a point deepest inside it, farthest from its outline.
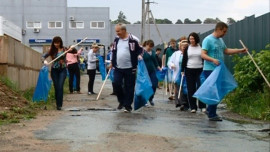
(184, 83)
(178, 78)
(139, 102)
(111, 75)
(43, 85)
(143, 87)
(219, 83)
(161, 74)
(102, 68)
(202, 77)
(184, 86)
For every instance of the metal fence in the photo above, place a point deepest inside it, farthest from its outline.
(254, 32)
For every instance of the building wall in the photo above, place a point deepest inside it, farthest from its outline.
(88, 14)
(44, 11)
(22, 11)
(12, 10)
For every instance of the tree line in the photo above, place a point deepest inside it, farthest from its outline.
(122, 19)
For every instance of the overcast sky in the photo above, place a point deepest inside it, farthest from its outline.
(181, 9)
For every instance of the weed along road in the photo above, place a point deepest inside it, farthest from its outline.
(86, 125)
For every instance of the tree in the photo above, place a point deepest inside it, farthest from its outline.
(230, 20)
(121, 19)
(178, 22)
(209, 21)
(167, 21)
(163, 21)
(138, 22)
(198, 21)
(159, 21)
(218, 20)
(187, 21)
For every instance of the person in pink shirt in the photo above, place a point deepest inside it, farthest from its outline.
(73, 68)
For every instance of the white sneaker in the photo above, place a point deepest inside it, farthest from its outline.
(203, 110)
(193, 111)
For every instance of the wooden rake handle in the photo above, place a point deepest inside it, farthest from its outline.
(73, 46)
(180, 87)
(103, 83)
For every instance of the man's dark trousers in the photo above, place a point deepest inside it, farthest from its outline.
(125, 93)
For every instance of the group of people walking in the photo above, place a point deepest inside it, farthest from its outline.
(188, 59)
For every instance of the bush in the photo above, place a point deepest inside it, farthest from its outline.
(252, 97)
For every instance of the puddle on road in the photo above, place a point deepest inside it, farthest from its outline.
(74, 109)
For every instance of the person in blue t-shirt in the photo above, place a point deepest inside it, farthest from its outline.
(213, 48)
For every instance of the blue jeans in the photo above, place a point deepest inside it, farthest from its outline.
(125, 93)
(212, 109)
(82, 66)
(58, 77)
(154, 82)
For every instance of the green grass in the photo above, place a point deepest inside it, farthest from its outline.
(254, 105)
(10, 84)
(15, 114)
(31, 109)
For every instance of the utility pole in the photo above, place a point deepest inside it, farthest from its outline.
(147, 13)
(143, 21)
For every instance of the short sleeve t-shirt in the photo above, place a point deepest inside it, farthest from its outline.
(215, 48)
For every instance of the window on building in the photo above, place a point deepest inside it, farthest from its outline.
(76, 24)
(97, 25)
(33, 24)
(55, 25)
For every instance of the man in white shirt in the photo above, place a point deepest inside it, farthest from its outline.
(126, 50)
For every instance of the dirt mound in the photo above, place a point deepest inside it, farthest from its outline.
(9, 98)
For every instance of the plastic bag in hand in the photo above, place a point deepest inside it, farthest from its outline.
(219, 83)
